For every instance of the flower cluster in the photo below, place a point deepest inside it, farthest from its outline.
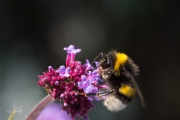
(72, 84)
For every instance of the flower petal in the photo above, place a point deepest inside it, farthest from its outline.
(67, 71)
(56, 113)
(71, 49)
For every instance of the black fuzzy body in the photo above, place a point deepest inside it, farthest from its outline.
(114, 81)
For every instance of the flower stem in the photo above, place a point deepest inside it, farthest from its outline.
(39, 107)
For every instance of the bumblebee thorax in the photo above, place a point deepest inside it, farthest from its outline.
(121, 58)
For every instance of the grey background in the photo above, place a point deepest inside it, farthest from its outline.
(34, 33)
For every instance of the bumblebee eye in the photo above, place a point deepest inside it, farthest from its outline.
(108, 62)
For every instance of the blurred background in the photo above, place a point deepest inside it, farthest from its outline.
(34, 33)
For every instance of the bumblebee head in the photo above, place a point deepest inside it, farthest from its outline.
(108, 59)
(113, 60)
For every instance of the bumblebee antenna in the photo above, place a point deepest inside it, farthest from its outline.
(101, 54)
(104, 93)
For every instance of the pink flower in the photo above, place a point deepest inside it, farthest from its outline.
(71, 84)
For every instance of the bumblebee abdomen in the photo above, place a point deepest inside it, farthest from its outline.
(122, 88)
(127, 91)
(114, 104)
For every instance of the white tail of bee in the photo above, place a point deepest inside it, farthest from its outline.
(113, 104)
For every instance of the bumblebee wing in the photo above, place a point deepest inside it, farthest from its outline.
(137, 88)
(139, 92)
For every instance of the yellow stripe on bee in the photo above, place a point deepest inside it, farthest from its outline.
(121, 58)
(127, 90)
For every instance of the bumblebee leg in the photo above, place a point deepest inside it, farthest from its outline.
(109, 70)
(104, 93)
(91, 94)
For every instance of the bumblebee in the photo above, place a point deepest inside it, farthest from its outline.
(118, 71)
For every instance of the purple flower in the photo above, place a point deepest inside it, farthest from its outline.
(71, 54)
(71, 49)
(49, 67)
(61, 70)
(67, 71)
(88, 65)
(72, 83)
(87, 84)
(53, 112)
(97, 63)
(91, 89)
